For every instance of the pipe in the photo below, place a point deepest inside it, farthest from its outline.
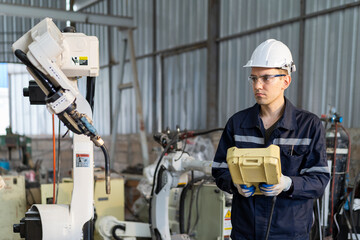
(107, 168)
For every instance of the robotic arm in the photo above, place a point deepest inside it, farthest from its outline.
(172, 164)
(56, 60)
(53, 58)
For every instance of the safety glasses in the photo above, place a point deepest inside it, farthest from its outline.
(264, 79)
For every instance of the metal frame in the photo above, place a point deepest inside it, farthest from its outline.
(78, 17)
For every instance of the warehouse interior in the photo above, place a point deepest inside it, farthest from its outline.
(169, 75)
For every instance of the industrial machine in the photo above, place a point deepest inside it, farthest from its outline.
(13, 205)
(333, 207)
(56, 60)
(338, 155)
(168, 172)
(13, 142)
(171, 172)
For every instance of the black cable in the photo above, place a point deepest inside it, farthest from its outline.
(185, 135)
(182, 152)
(182, 202)
(36, 72)
(158, 164)
(348, 223)
(270, 218)
(337, 209)
(182, 207)
(340, 205)
(58, 164)
(90, 91)
(197, 206)
(107, 168)
(208, 131)
(113, 231)
(155, 173)
(191, 204)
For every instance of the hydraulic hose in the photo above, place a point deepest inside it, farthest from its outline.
(37, 73)
(107, 168)
(270, 218)
(113, 231)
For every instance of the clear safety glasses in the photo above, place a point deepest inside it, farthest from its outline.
(264, 79)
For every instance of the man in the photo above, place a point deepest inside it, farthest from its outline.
(300, 136)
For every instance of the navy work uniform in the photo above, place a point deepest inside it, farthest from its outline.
(301, 138)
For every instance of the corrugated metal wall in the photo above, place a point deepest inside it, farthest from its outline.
(330, 58)
(12, 28)
(235, 93)
(177, 23)
(331, 43)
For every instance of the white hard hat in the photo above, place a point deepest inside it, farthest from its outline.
(272, 54)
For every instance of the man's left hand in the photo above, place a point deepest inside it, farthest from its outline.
(276, 189)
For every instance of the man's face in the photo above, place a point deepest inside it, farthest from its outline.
(267, 85)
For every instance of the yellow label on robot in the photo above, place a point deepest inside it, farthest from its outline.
(251, 166)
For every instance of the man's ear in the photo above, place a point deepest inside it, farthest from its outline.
(286, 82)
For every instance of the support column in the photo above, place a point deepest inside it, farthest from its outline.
(213, 63)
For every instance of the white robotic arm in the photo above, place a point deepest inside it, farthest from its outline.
(168, 173)
(56, 60)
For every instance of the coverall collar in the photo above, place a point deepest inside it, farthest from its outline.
(287, 121)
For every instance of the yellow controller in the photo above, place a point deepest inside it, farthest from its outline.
(251, 166)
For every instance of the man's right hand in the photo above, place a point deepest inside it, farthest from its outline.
(244, 190)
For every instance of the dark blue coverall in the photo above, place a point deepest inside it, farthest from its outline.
(301, 138)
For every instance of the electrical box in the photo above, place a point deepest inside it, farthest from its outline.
(105, 205)
(251, 166)
(12, 206)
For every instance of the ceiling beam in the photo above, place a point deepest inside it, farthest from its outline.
(56, 14)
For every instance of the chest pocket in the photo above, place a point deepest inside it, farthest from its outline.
(292, 159)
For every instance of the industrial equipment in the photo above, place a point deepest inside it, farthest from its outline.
(18, 142)
(336, 195)
(105, 204)
(171, 172)
(171, 165)
(56, 60)
(197, 220)
(13, 205)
